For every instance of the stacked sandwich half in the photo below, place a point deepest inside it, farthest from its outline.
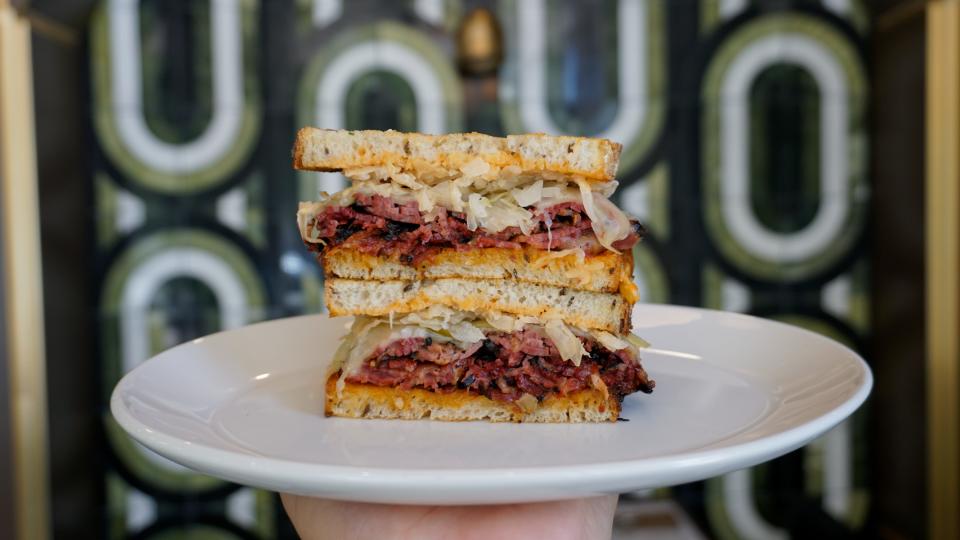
(490, 278)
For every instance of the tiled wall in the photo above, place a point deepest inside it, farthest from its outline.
(745, 152)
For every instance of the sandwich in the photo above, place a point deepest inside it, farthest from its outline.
(490, 278)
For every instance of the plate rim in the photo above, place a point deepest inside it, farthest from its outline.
(269, 472)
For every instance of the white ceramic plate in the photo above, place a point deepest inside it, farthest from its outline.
(732, 391)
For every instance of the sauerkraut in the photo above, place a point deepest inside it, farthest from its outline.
(609, 223)
(463, 329)
(491, 199)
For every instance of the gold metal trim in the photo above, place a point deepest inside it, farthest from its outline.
(900, 13)
(943, 267)
(22, 278)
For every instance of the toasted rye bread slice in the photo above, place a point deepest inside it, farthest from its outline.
(583, 309)
(369, 401)
(335, 150)
(606, 272)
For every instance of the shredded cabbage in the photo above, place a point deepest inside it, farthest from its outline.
(608, 222)
(501, 214)
(610, 341)
(365, 335)
(476, 210)
(475, 167)
(616, 224)
(447, 195)
(492, 199)
(504, 323)
(637, 341)
(508, 323)
(529, 195)
(465, 332)
(424, 201)
(567, 343)
(406, 180)
(443, 325)
(553, 192)
(305, 214)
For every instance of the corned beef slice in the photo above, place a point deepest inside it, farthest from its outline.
(377, 225)
(503, 367)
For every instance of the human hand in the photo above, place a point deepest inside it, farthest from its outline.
(580, 519)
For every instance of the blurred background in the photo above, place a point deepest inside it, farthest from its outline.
(791, 158)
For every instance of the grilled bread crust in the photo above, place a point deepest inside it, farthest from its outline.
(370, 401)
(318, 149)
(606, 272)
(582, 309)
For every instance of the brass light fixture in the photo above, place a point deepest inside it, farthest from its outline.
(479, 44)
